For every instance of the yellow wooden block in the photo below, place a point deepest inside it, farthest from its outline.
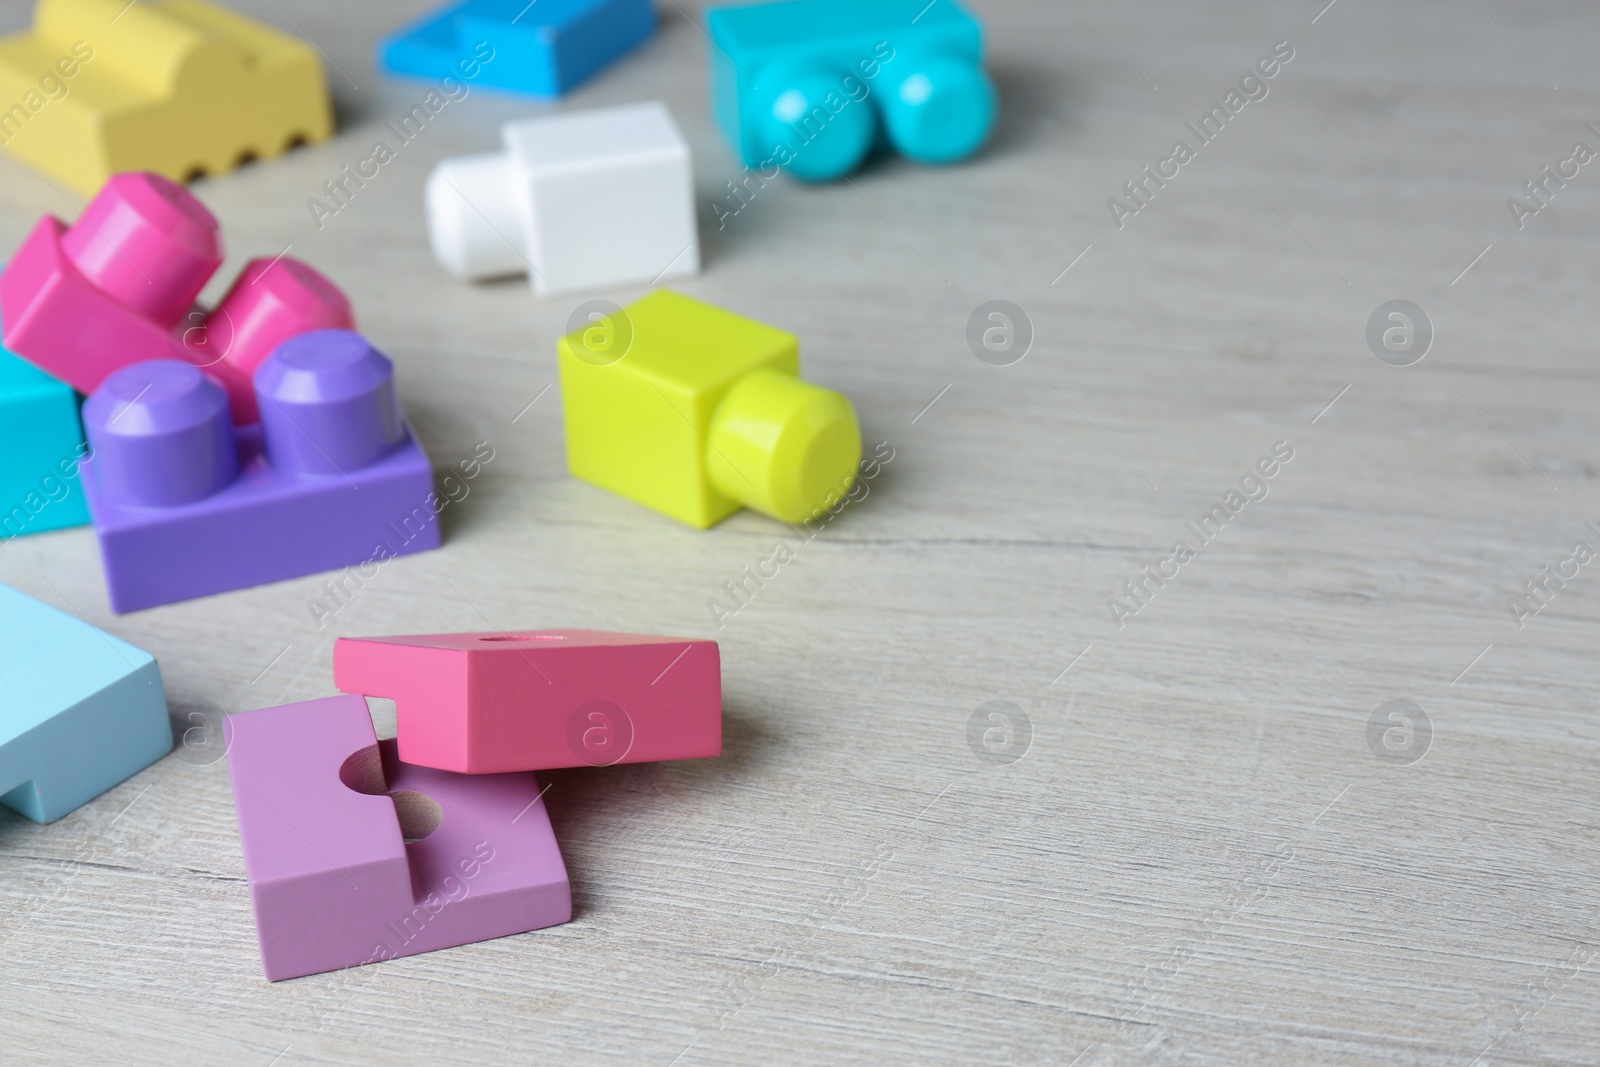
(179, 87)
(697, 412)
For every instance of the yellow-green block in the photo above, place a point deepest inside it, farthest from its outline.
(696, 412)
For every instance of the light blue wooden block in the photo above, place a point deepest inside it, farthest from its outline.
(80, 711)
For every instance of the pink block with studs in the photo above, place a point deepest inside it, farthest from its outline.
(538, 700)
(118, 287)
(355, 857)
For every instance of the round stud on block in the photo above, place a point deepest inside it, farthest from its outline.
(782, 446)
(939, 110)
(328, 403)
(147, 243)
(472, 217)
(161, 434)
(823, 143)
(270, 302)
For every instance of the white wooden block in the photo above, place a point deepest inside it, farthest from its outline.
(579, 200)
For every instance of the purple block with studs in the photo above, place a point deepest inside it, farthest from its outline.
(185, 504)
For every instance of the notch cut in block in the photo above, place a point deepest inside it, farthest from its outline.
(355, 857)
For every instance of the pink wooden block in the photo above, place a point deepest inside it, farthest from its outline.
(325, 813)
(537, 700)
(118, 287)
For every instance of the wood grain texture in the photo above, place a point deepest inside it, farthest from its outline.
(1199, 860)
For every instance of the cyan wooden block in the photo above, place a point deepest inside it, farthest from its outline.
(812, 86)
(40, 442)
(81, 711)
(543, 49)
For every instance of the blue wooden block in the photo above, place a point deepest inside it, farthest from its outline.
(811, 86)
(81, 710)
(543, 48)
(40, 442)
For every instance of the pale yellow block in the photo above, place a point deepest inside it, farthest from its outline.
(179, 87)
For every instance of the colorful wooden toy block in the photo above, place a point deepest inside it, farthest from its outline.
(82, 710)
(811, 86)
(697, 412)
(543, 49)
(538, 700)
(179, 87)
(185, 504)
(355, 857)
(577, 200)
(40, 442)
(118, 287)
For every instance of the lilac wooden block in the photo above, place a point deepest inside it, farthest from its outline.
(185, 504)
(355, 857)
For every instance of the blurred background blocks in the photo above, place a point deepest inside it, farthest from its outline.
(543, 49)
(185, 504)
(179, 87)
(578, 200)
(82, 710)
(813, 86)
(696, 412)
(355, 857)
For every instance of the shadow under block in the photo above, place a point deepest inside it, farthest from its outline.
(542, 49)
(40, 443)
(355, 857)
(578, 200)
(82, 710)
(184, 504)
(697, 412)
(118, 286)
(178, 87)
(814, 85)
(540, 700)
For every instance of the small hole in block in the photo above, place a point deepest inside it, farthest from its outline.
(194, 174)
(363, 772)
(296, 140)
(246, 158)
(525, 637)
(418, 812)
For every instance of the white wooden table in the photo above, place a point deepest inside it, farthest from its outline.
(1207, 852)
